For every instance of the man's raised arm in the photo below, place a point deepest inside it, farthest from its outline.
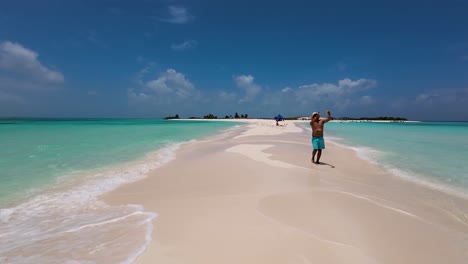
(328, 117)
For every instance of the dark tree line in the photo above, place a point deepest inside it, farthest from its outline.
(386, 118)
(172, 117)
(211, 116)
(236, 116)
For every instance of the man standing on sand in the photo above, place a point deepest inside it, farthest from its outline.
(317, 134)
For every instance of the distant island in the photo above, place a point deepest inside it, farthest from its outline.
(244, 116)
(211, 116)
(172, 117)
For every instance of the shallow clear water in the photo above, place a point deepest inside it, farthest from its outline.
(52, 172)
(35, 153)
(432, 152)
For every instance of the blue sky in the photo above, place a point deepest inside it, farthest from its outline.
(159, 58)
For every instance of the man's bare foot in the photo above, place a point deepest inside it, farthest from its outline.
(318, 162)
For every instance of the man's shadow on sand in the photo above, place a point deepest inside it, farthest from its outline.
(326, 164)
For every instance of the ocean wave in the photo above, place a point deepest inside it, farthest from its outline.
(69, 222)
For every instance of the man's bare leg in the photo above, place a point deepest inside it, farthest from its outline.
(313, 155)
(318, 156)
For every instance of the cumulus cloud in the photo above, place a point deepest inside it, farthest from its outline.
(247, 84)
(171, 82)
(168, 94)
(177, 15)
(186, 45)
(349, 85)
(17, 60)
(173, 91)
(344, 87)
(340, 95)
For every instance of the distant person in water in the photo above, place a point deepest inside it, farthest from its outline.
(317, 134)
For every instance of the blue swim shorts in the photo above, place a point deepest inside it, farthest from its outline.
(318, 143)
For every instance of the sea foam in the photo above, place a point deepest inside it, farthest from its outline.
(71, 225)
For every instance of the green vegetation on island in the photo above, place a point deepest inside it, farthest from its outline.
(211, 116)
(172, 117)
(236, 116)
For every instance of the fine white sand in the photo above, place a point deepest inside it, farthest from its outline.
(251, 195)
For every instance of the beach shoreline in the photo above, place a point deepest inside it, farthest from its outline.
(240, 196)
(48, 223)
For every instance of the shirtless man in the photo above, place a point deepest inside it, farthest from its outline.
(317, 134)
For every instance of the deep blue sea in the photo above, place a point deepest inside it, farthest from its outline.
(53, 170)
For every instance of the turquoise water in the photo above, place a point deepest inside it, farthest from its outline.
(431, 152)
(53, 171)
(35, 153)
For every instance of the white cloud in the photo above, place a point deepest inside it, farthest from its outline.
(137, 96)
(171, 82)
(340, 95)
(177, 15)
(172, 91)
(350, 86)
(20, 61)
(184, 45)
(251, 89)
(315, 90)
(344, 87)
(143, 72)
(286, 89)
